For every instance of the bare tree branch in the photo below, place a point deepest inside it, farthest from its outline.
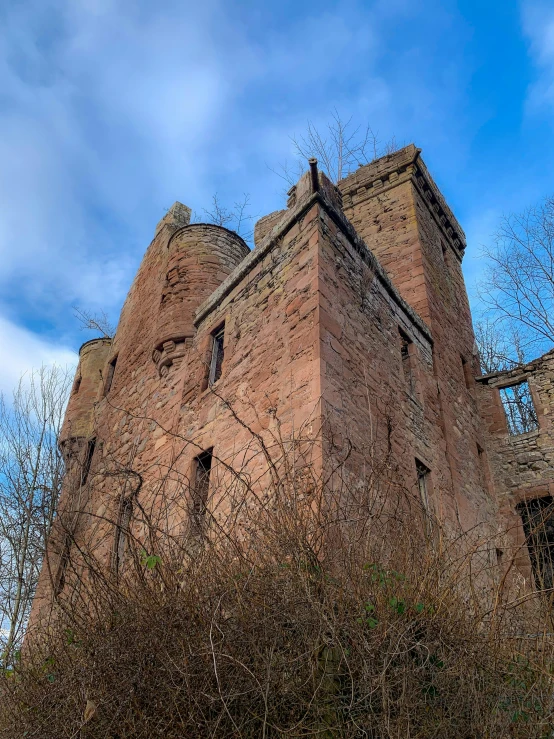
(237, 218)
(518, 286)
(500, 348)
(31, 470)
(98, 322)
(340, 147)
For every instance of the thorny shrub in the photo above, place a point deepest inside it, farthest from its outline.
(295, 623)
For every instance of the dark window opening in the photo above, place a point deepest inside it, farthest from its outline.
(499, 556)
(59, 580)
(443, 250)
(407, 361)
(77, 385)
(519, 408)
(423, 473)
(482, 465)
(468, 376)
(91, 445)
(121, 532)
(538, 524)
(110, 376)
(216, 363)
(202, 469)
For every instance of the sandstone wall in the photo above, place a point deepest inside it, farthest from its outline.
(350, 334)
(522, 465)
(397, 208)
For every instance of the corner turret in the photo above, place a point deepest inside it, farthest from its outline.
(79, 423)
(200, 257)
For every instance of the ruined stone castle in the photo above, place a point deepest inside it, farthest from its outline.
(348, 323)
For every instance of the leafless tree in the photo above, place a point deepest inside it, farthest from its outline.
(500, 347)
(340, 147)
(299, 607)
(31, 469)
(518, 285)
(98, 322)
(237, 218)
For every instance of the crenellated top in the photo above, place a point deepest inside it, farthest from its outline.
(392, 170)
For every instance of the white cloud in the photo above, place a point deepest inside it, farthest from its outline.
(23, 351)
(114, 109)
(105, 107)
(538, 25)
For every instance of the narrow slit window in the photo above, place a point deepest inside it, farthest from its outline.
(122, 532)
(423, 473)
(216, 363)
(466, 368)
(538, 525)
(59, 580)
(443, 250)
(110, 376)
(519, 408)
(407, 361)
(76, 385)
(89, 454)
(482, 465)
(202, 469)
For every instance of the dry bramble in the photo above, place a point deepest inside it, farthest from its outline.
(292, 506)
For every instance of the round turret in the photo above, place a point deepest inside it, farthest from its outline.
(200, 257)
(87, 389)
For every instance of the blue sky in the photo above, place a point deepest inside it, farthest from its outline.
(110, 110)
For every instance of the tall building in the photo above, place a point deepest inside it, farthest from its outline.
(347, 327)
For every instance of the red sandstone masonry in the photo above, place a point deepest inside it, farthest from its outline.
(396, 207)
(313, 321)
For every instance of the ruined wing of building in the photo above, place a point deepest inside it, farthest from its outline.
(349, 320)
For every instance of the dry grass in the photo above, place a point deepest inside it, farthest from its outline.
(317, 613)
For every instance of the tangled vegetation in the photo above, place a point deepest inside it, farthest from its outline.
(291, 632)
(292, 605)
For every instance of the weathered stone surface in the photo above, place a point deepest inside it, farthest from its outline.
(524, 464)
(350, 325)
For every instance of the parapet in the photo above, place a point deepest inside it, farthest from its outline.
(391, 170)
(266, 224)
(87, 389)
(313, 181)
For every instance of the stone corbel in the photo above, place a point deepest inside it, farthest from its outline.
(169, 352)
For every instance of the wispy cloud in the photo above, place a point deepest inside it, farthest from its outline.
(103, 111)
(538, 25)
(113, 109)
(22, 351)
